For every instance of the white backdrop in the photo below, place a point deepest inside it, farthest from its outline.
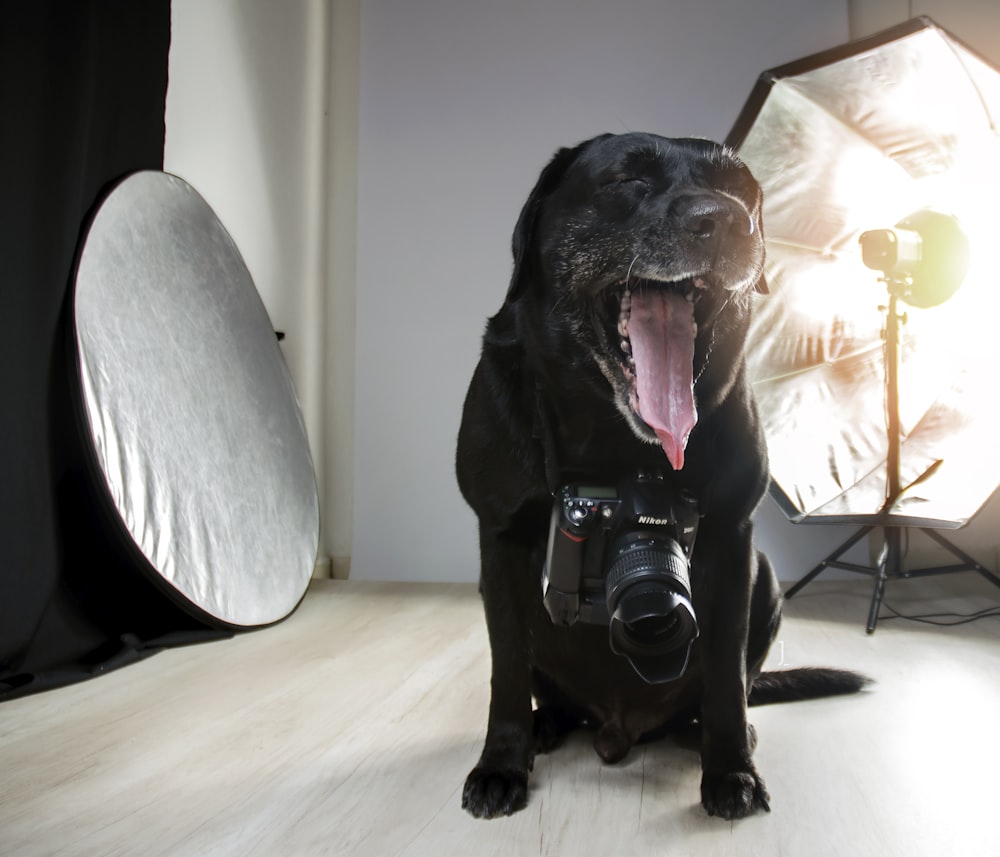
(461, 104)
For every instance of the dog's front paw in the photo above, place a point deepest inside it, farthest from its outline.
(734, 795)
(491, 793)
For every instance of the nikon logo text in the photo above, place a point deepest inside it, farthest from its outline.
(656, 522)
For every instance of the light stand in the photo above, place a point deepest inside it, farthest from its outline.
(886, 248)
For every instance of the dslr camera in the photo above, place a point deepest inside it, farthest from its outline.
(619, 556)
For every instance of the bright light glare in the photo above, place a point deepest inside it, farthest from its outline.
(842, 147)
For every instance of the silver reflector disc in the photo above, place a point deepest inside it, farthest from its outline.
(190, 408)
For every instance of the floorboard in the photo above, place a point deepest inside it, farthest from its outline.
(348, 730)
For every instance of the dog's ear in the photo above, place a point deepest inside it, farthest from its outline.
(525, 228)
(761, 286)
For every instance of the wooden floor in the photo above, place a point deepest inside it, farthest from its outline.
(348, 730)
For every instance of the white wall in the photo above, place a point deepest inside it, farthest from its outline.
(461, 103)
(975, 22)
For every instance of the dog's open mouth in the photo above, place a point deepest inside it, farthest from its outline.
(656, 330)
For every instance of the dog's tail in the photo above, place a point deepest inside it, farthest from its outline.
(804, 683)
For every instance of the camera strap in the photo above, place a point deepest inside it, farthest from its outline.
(543, 432)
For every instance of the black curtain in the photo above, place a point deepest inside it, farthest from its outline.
(82, 95)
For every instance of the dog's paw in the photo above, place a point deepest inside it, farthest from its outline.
(491, 793)
(734, 795)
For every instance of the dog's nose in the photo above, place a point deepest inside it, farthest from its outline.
(707, 218)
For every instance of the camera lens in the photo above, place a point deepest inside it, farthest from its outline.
(653, 630)
(648, 596)
(651, 620)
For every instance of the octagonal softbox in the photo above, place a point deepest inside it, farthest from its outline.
(853, 139)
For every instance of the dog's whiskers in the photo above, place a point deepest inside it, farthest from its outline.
(711, 345)
(631, 265)
(555, 311)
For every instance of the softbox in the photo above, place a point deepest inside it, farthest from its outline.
(853, 139)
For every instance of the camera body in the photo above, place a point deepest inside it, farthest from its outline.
(619, 556)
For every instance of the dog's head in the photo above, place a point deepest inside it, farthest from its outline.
(644, 250)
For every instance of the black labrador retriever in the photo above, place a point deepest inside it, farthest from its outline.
(619, 351)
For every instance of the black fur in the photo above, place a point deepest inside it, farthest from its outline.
(642, 210)
(802, 683)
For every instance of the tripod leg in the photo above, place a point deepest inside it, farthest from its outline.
(968, 560)
(890, 565)
(840, 551)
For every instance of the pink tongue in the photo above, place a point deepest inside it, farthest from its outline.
(661, 328)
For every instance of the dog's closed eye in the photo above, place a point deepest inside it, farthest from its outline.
(624, 189)
(626, 183)
(620, 179)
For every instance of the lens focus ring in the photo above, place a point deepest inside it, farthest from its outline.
(642, 560)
